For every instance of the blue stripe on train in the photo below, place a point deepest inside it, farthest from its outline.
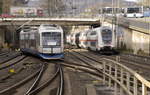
(30, 51)
(42, 55)
(52, 56)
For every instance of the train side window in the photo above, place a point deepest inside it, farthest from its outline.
(22, 37)
(93, 33)
(26, 36)
(93, 43)
(85, 43)
(85, 34)
(32, 36)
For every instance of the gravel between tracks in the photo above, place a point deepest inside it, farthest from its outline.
(28, 65)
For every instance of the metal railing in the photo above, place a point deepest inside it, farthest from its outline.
(124, 80)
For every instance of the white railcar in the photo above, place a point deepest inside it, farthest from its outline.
(101, 39)
(132, 12)
(97, 39)
(68, 39)
(45, 41)
(83, 39)
(73, 38)
(26, 11)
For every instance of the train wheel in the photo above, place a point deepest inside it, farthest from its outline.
(97, 50)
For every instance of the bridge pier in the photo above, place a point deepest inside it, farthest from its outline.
(2, 37)
(7, 38)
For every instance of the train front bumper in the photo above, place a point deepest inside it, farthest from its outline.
(52, 56)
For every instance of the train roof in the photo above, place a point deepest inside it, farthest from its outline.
(29, 29)
(103, 27)
(49, 27)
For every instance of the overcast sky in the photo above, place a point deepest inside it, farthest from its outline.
(131, 0)
(78, 3)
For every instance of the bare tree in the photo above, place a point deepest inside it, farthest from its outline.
(146, 2)
(53, 6)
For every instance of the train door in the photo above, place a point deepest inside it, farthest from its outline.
(37, 40)
(81, 40)
(22, 40)
(93, 40)
(77, 39)
(26, 40)
(99, 37)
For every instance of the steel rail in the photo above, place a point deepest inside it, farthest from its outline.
(45, 84)
(10, 58)
(100, 71)
(74, 64)
(147, 57)
(61, 84)
(88, 69)
(124, 60)
(130, 62)
(110, 66)
(37, 80)
(4, 53)
(2, 92)
(89, 57)
(81, 59)
(9, 65)
(120, 71)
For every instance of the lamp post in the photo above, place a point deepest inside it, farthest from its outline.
(149, 29)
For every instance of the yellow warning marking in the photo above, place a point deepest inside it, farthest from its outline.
(96, 81)
(139, 29)
(12, 70)
(134, 28)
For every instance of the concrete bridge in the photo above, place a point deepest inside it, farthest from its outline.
(38, 21)
(134, 24)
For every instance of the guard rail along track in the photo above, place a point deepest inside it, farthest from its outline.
(124, 80)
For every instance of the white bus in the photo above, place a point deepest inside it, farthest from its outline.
(133, 12)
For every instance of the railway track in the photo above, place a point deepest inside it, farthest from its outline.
(87, 60)
(84, 63)
(11, 89)
(4, 53)
(9, 57)
(138, 58)
(35, 88)
(9, 63)
(13, 67)
(85, 68)
(6, 68)
(38, 81)
(35, 83)
(139, 67)
(60, 89)
(91, 64)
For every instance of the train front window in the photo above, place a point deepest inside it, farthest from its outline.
(51, 39)
(106, 36)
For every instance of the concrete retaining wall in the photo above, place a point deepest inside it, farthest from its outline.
(2, 37)
(131, 40)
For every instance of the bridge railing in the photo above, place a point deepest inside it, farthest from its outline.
(124, 80)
